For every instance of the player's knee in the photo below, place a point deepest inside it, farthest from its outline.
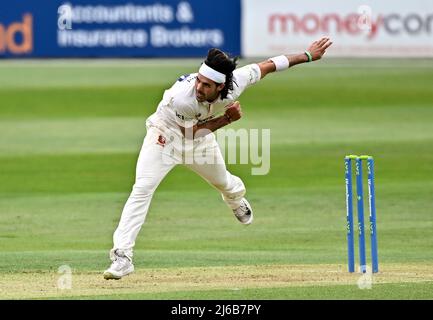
(221, 184)
(144, 187)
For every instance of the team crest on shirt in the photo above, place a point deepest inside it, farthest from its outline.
(161, 140)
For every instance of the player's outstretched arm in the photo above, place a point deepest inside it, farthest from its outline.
(315, 52)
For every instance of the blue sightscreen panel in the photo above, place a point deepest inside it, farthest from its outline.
(112, 28)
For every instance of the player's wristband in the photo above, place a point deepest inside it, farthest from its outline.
(310, 57)
(281, 62)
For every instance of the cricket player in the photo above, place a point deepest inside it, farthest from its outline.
(190, 111)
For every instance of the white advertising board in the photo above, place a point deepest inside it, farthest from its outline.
(380, 28)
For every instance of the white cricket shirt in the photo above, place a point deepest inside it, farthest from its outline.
(179, 105)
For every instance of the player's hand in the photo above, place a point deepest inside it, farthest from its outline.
(233, 111)
(318, 48)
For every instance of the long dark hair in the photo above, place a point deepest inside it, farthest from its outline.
(221, 62)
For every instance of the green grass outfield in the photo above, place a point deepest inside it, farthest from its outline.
(70, 133)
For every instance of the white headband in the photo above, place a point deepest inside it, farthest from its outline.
(212, 74)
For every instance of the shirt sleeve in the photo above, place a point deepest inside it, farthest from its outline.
(245, 77)
(178, 101)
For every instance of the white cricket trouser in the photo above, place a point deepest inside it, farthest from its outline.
(154, 162)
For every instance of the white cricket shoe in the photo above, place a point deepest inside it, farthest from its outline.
(244, 213)
(121, 266)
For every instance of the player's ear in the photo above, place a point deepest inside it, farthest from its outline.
(221, 86)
